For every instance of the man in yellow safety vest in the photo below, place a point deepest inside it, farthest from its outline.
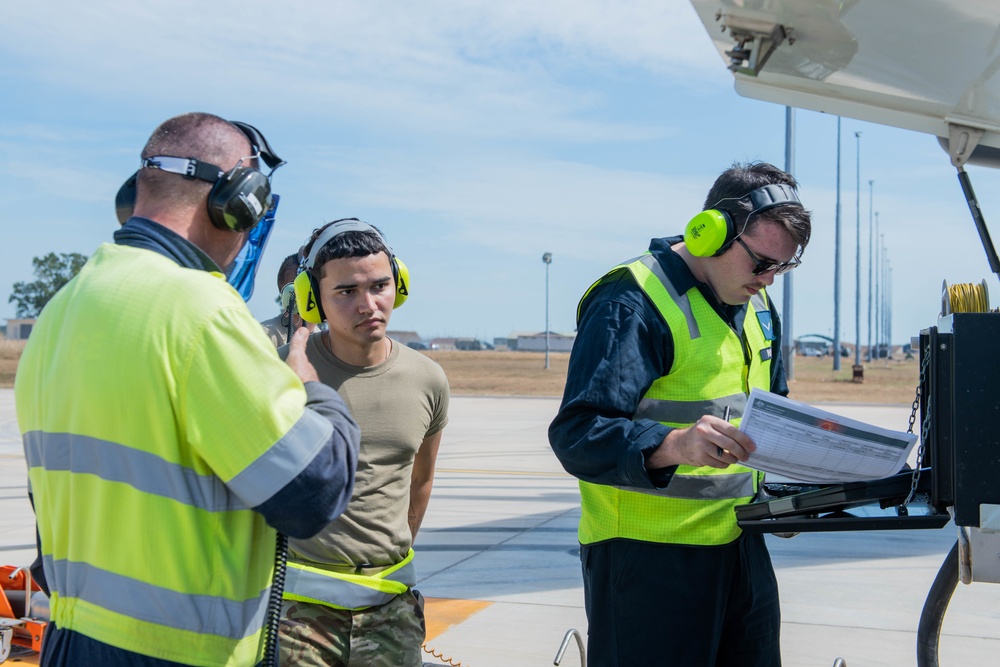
(669, 345)
(165, 439)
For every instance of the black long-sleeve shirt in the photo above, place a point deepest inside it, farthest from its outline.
(622, 346)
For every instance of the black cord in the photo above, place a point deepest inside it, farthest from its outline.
(273, 616)
(932, 615)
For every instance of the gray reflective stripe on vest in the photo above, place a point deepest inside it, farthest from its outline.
(681, 300)
(284, 460)
(152, 474)
(116, 463)
(703, 487)
(136, 599)
(326, 587)
(688, 412)
(758, 303)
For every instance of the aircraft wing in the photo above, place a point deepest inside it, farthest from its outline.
(924, 65)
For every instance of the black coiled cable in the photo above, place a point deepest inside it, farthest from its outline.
(273, 615)
(932, 615)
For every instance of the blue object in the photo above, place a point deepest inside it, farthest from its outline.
(244, 268)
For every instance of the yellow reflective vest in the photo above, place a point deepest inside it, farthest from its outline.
(346, 590)
(713, 368)
(155, 413)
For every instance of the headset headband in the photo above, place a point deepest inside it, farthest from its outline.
(194, 168)
(337, 228)
(763, 199)
(188, 167)
(769, 196)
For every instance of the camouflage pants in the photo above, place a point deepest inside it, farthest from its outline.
(390, 635)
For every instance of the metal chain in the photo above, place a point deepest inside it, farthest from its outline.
(924, 426)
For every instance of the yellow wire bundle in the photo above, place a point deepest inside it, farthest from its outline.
(964, 298)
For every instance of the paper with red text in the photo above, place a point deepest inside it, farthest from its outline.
(807, 444)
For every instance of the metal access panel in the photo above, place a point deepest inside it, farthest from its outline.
(961, 404)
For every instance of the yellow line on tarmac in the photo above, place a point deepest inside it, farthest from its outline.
(444, 613)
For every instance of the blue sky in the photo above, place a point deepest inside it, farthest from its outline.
(477, 135)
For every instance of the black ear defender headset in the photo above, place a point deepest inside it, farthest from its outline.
(239, 197)
(711, 232)
(307, 282)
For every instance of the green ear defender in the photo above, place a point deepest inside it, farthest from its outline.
(711, 232)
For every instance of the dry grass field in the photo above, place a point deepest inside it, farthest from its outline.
(494, 373)
(10, 352)
(501, 373)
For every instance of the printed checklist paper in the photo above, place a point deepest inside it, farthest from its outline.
(802, 443)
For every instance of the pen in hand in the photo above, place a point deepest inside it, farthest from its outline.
(725, 416)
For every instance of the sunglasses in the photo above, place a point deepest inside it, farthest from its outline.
(761, 266)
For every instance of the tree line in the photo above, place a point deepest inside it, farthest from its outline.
(51, 272)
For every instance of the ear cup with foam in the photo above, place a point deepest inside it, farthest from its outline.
(402, 276)
(310, 309)
(709, 233)
(125, 199)
(239, 199)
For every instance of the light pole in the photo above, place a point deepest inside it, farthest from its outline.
(788, 335)
(877, 281)
(886, 304)
(836, 268)
(857, 282)
(887, 295)
(871, 252)
(547, 258)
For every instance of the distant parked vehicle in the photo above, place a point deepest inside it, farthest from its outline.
(417, 345)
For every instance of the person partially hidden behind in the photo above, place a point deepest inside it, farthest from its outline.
(288, 319)
(165, 440)
(669, 344)
(349, 596)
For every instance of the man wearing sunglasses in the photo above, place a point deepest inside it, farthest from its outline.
(668, 347)
(165, 440)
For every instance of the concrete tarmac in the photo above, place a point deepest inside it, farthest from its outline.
(498, 559)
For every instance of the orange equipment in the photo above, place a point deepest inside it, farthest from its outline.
(19, 627)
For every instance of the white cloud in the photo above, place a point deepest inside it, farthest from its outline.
(476, 68)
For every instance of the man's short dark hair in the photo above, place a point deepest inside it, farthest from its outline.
(288, 270)
(348, 244)
(731, 187)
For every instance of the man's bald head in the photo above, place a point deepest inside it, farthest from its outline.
(201, 136)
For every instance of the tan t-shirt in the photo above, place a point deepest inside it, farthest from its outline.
(397, 404)
(276, 331)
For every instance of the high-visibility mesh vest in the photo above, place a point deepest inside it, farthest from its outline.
(712, 369)
(155, 413)
(344, 590)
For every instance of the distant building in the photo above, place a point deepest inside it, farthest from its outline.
(405, 337)
(20, 329)
(536, 342)
(511, 340)
(441, 344)
(467, 344)
(472, 344)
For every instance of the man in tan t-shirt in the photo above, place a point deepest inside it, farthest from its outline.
(349, 596)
